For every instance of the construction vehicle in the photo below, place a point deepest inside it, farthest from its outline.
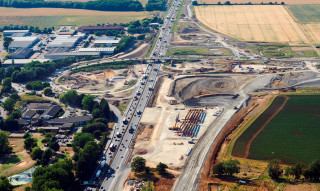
(175, 127)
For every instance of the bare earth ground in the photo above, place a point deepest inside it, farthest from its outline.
(160, 144)
(97, 82)
(24, 164)
(289, 2)
(256, 23)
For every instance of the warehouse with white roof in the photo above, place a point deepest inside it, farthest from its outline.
(106, 41)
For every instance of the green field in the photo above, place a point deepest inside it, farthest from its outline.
(10, 162)
(241, 143)
(204, 51)
(293, 134)
(305, 13)
(280, 51)
(77, 20)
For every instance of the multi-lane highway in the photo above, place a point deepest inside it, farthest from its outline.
(117, 152)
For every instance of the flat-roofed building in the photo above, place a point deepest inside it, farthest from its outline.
(108, 50)
(80, 120)
(21, 53)
(103, 28)
(70, 54)
(11, 32)
(107, 41)
(23, 42)
(65, 41)
(22, 62)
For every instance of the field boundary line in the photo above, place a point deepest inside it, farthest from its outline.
(244, 126)
(264, 125)
(302, 30)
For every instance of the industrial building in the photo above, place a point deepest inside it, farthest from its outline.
(109, 50)
(22, 62)
(66, 41)
(21, 53)
(66, 30)
(16, 32)
(57, 53)
(23, 42)
(104, 28)
(106, 41)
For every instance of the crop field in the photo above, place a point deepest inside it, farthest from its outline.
(143, 2)
(288, 2)
(48, 17)
(309, 18)
(292, 135)
(241, 144)
(312, 31)
(255, 23)
(305, 13)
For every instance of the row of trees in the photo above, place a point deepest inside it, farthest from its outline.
(37, 85)
(102, 5)
(107, 65)
(6, 85)
(312, 173)
(156, 5)
(228, 168)
(36, 70)
(109, 33)
(58, 177)
(98, 110)
(274, 168)
(6, 42)
(138, 165)
(135, 27)
(4, 144)
(26, 27)
(124, 43)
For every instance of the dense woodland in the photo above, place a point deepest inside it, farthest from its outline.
(156, 5)
(101, 5)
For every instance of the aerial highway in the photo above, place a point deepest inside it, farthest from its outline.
(117, 152)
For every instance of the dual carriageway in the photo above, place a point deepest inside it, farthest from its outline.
(118, 155)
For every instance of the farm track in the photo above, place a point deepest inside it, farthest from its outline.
(264, 125)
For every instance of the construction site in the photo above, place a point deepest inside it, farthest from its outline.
(103, 81)
(170, 129)
(185, 106)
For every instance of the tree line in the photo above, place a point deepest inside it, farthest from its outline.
(274, 169)
(101, 5)
(36, 70)
(106, 65)
(156, 5)
(26, 27)
(312, 173)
